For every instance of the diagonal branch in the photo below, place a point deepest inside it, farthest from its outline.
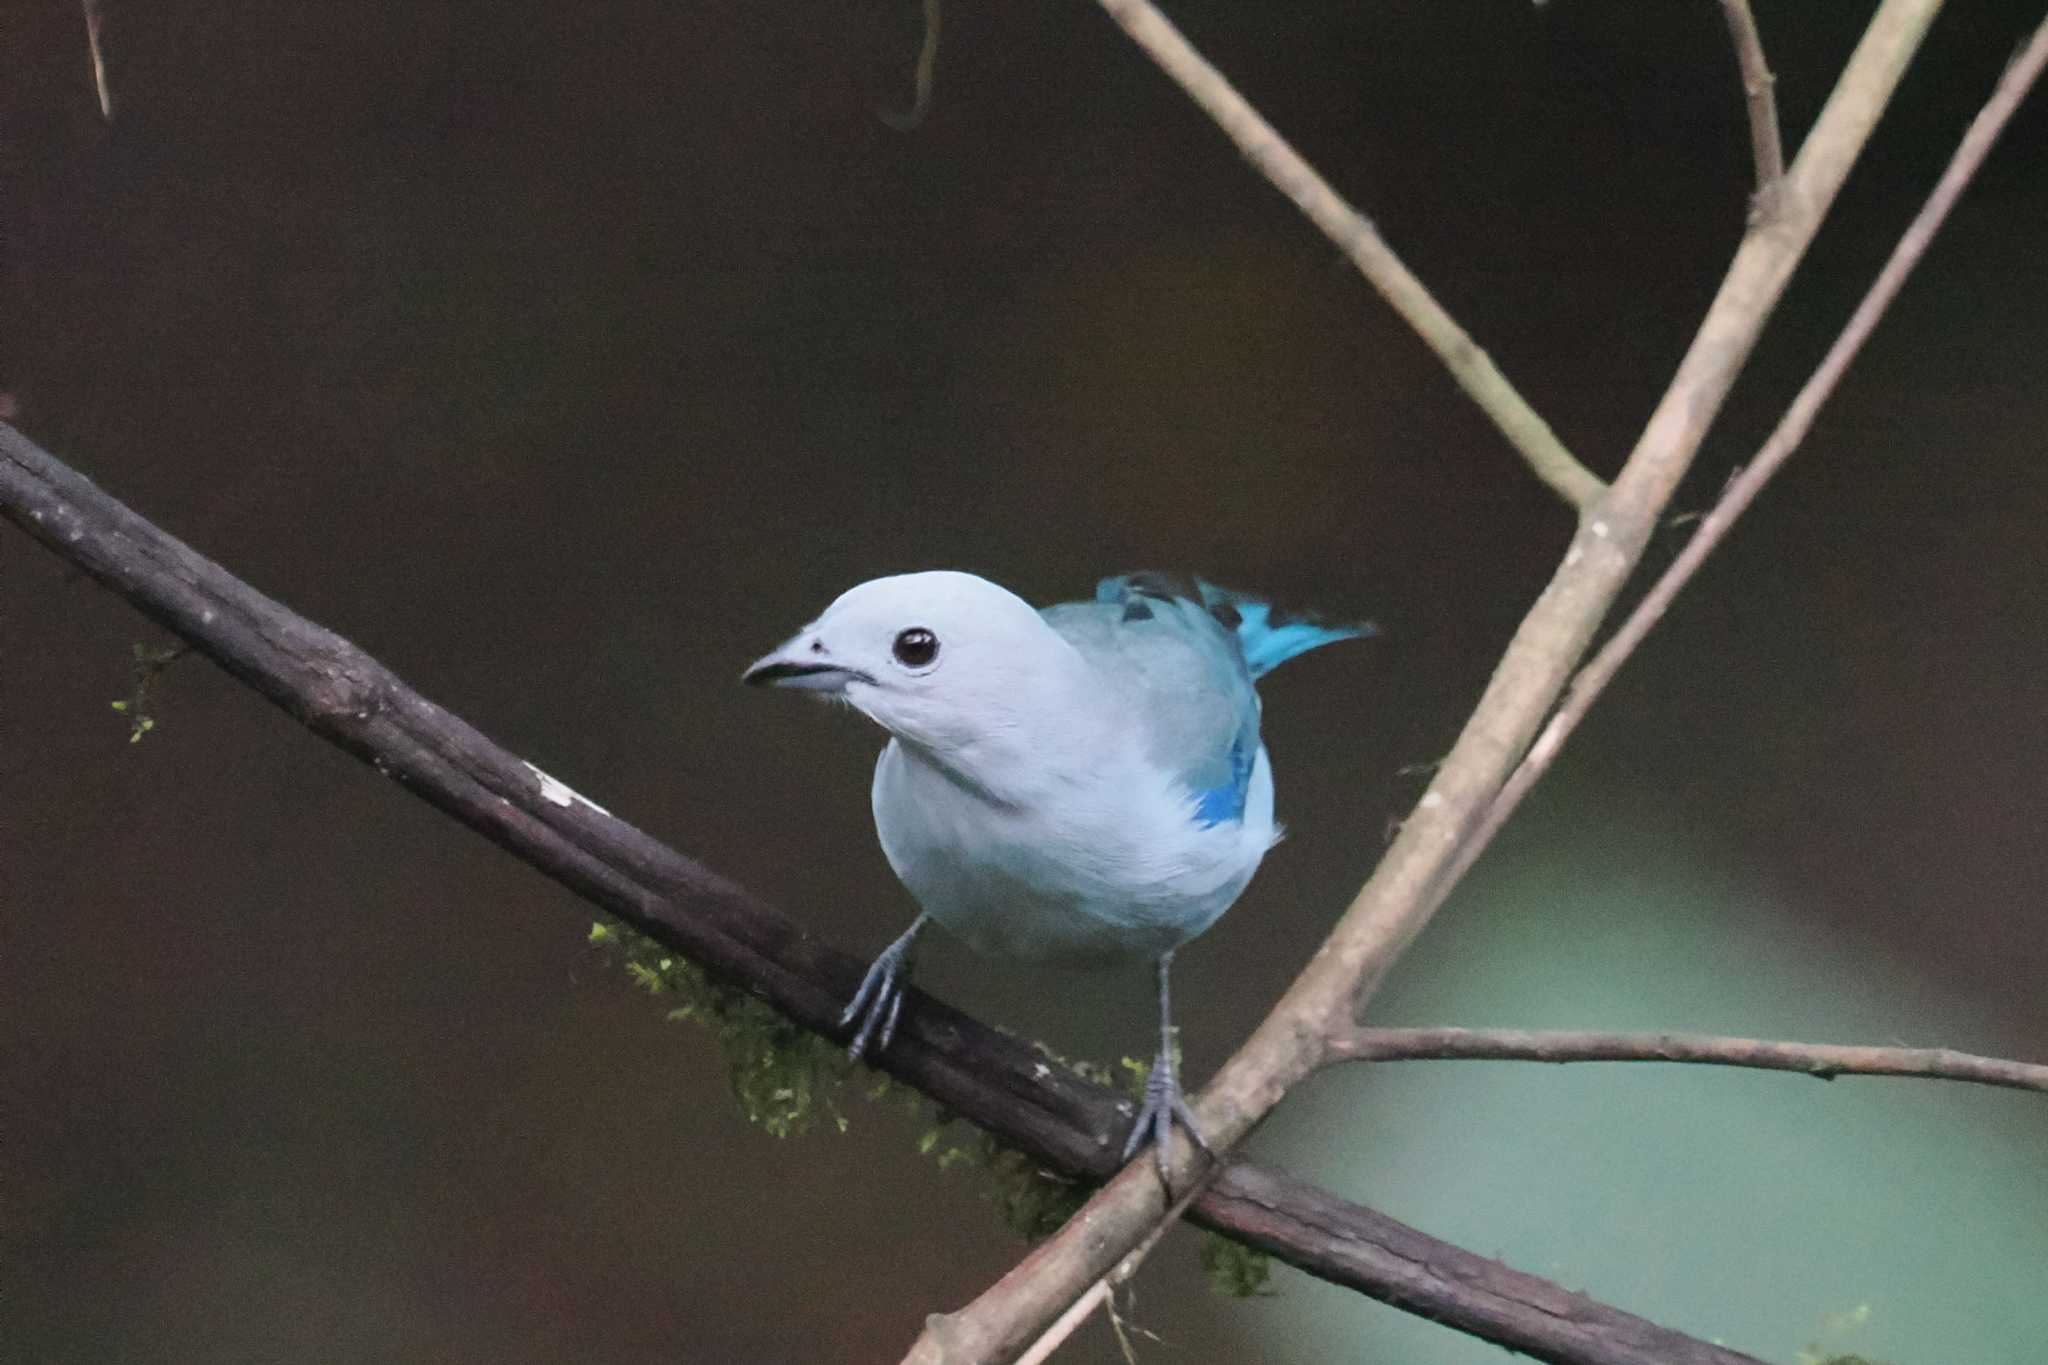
(1355, 235)
(1436, 1282)
(1823, 1060)
(1759, 91)
(995, 1081)
(1419, 870)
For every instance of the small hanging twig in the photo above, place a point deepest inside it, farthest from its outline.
(95, 16)
(927, 64)
(2019, 77)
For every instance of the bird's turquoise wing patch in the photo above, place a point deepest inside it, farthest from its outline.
(1266, 637)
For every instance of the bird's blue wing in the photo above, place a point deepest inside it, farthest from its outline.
(1182, 654)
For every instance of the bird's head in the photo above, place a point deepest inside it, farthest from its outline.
(938, 658)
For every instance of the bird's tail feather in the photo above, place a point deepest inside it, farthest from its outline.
(1268, 642)
(1266, 636)
(1270, 637)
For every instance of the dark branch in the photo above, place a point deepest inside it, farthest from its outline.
(997, 1082)
(1434, 1280)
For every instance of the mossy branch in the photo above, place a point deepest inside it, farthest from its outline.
(150, 663)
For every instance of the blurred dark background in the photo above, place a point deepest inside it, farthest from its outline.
(568, 356)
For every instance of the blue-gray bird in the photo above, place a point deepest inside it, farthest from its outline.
(1075, 784)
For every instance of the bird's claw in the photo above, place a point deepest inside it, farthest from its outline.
(1163, 1105)
(878, 1004)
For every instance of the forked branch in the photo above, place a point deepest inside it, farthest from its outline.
(2019, 78)
(1418, 871)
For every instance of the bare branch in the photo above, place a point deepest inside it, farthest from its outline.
(1418, 871)
(1592, 680)
(988, 1078)
(1824, 1060)
(1759, 87)
(1275, 159)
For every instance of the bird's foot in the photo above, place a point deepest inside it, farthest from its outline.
(879, 1001)
(1163, 1105)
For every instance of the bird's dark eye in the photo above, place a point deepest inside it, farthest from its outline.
(916, 647)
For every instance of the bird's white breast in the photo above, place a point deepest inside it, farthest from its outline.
(1098, 856)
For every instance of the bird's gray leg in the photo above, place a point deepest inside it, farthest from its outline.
(1163, 1102)
(879, 1000)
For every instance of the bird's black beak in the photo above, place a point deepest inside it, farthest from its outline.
(806, 669)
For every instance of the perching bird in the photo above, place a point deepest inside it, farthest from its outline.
(1077, 784)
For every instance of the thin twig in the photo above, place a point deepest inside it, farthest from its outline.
(1105, 1287)
(927, 68)
(1418, 871)
(1592, 680)
(1063, 1327)
(1824, 1060)
(1275, 159)
(1759, 89)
